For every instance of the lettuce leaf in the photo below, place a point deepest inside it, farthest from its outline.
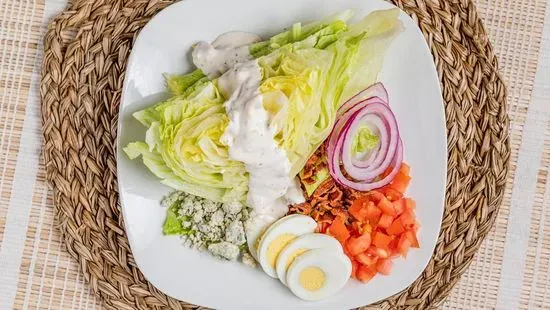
(307, 73)
(364, 141)
(182, 146)
(304, 86)
(319, 34)
(178, 84)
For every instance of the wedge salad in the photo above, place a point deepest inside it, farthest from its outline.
(285, 152)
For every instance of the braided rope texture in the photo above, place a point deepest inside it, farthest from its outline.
(86, 49)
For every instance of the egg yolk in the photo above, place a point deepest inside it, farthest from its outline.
(276, 246)
(293, 256)
(312, 278)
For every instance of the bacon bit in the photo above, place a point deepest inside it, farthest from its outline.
(324, 188)
(335, 196)
(329, 200)
(340, 213)
(316, 215)
(302, 208)
(313, 159)
(307, 176)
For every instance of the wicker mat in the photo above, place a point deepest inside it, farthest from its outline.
(86, 49)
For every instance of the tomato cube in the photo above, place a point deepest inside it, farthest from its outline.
(381, 240)
(385, 221)
(357, 245)
(366, 259)
(365, 274)
(387, 207)
(384, 266)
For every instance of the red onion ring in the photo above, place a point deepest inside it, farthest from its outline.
(375, 90)
(389, 136)
(375, 112)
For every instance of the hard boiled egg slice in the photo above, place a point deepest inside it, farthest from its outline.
(255, 227)
(278, 236)
(303, 244)
(318, 274)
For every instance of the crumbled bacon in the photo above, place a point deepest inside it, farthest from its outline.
(329, 200)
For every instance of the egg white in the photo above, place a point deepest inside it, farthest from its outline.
(295, 225)
(255, 227)
(335, 265)
(307, 242)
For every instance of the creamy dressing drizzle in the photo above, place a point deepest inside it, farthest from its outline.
(250, 139)
(249, 136)
(221, 55)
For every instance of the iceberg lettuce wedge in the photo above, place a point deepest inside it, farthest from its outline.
(307, 73)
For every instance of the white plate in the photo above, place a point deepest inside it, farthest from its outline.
(163, 46)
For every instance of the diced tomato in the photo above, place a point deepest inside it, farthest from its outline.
(384, 266)
(365, 274)
(400, 182)
(382, 225)
(358, 210)
(396, 228)
(408, 219)
(381, 240)
(387, 172)
(385, 221)
(403, 245)
(374, 251)
(391, 194)
(410, 204)
(346, 251)
(387, 207)
(357, 245)
(373, 213)
(411, 235)
(354, 267)
(392, 248)
(405, 169)
(399, 205)
(339, 231)
(375, 196)
(366, 259)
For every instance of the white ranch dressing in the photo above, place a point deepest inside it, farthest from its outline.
(249, 136)
(250, 139)
(221, 55)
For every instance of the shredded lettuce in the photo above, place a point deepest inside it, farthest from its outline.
(364, 141)
(308, 72)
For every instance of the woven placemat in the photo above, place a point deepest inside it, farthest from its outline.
(85, 53)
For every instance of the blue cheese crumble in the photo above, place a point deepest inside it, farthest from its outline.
(207, 225)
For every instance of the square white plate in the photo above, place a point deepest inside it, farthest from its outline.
(163, 46)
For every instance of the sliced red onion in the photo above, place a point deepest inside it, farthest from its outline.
(367, 186)
(380, 116)
(375, 90)
(341, 121)
(364, 174)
